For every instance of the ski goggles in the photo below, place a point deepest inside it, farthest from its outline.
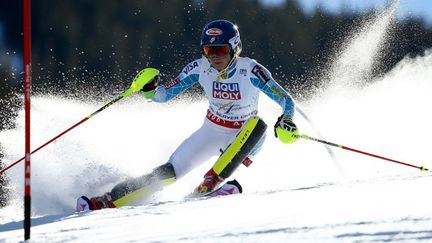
(216, 50)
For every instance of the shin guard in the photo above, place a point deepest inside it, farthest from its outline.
(134, 189)
(243, 144)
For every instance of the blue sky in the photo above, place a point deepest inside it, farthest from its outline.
(407, 8)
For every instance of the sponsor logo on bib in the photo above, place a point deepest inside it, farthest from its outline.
(226, 91)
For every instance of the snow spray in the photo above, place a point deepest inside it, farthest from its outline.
(389, 115)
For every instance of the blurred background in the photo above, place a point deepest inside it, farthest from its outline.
(92, 49)
(99, 45)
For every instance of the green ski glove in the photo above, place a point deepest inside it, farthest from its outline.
(285, 129)
(141, 79)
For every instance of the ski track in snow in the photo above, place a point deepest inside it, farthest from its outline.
(292, 193)
(325, 212)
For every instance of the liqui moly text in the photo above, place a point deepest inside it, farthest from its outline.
(226, 91)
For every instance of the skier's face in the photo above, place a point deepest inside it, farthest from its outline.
(219, 62)
(218, 55)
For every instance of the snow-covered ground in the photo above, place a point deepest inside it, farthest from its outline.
(392, 208)
(292, 193)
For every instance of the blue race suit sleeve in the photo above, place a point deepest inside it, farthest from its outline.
(188, 77)
(262, 79)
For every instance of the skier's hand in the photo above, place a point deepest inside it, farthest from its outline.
(150, 88)
(285, 129)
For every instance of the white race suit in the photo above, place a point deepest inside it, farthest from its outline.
(232, 100)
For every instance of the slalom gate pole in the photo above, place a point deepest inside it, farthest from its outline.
(141, 78)
(422, 168)
(27, 94)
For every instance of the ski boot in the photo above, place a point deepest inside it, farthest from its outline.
(231, 187)
(94, 203)
(210, 183)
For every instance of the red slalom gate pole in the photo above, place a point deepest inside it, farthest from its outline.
(27, 94)
(422, 168)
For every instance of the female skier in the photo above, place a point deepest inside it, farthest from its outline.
(231, 128)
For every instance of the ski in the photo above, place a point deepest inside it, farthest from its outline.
(85, 204)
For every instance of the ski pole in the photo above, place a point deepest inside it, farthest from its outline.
(142, 78)
(422, 168)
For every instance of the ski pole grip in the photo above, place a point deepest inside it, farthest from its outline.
(142, 78)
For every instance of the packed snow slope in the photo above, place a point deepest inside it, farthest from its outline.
(292, 193)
